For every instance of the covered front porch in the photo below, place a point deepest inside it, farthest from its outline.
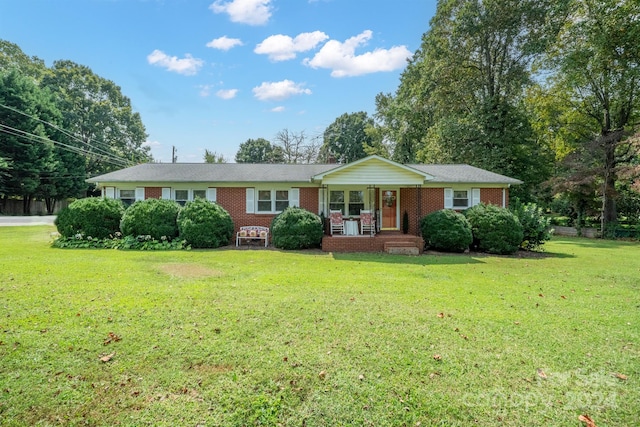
(393, 242)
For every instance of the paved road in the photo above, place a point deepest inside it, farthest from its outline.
(26, 220)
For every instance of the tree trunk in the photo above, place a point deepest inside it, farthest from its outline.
(609, 212)
(51, 204)
(26, 205)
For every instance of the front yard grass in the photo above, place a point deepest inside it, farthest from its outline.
(264, 337)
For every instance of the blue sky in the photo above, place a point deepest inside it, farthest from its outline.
(212, 74)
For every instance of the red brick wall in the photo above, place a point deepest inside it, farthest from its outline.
(152, 192)
(234, 201)
(309, 199)
(432, 199)
(493, 196)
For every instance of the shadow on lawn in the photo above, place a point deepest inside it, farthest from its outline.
(426, 259)
(443, 258)
(587, 242)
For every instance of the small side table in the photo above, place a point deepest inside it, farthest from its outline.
(351, 228)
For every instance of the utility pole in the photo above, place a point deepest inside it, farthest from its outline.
(174, 158)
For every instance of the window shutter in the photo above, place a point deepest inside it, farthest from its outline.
(448, 198)
(212, 194)
(139, 193)
(322, 207)
(166, 193)
(251, 204)
(294, 197)
(475, 196)
(109, 192)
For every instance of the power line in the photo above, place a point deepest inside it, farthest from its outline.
(37, 138)
(70, 135)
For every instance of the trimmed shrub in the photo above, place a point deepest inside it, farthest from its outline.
(151, 217)
(94, 217)
(204, 224)
(446, 230)
(535, 225)
(296, 228)
(495, 230)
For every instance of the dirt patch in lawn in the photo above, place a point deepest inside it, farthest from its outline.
(189, 271)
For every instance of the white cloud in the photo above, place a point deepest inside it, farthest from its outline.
(224, 43)
(187, 65)
(151, 144)
(278, 91)
(205, 90)
(342, 60)
(281, 48)
(277, 109)
(252, 12)
(227, 93)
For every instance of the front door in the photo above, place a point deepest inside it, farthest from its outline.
(389, 201)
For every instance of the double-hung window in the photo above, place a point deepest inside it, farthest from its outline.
(353, 204)
(356, 202)
(336, 201)
(282, 200)
(182, 196)
(199, 194)
(460, 199)
(127, 197)
(272, 200)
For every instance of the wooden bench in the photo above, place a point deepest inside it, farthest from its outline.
(251, 233)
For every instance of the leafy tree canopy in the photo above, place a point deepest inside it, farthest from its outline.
(259, 151)
(99, 116)
(347, 138)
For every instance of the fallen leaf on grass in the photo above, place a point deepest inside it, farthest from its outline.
(108, 357)
(540, 295)
(437, 357)
(588, 420)
(441, 315)
(541, 374)
(111, 338)
(322, 375)
(563, 297)
(621, 376)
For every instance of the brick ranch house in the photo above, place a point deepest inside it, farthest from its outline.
(254, 193)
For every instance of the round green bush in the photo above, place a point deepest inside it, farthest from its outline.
(204, 224)
(535, 225)
(296, 228)
(446, 230)
(495, 230)
(151, 217)
(91, 217)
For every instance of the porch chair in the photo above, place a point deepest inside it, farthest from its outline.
(367, 222)
(336, 220)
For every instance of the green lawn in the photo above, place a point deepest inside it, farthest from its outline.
(263, 337)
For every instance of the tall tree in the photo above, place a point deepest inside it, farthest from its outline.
(12, 57)
(347, 139)
(259, 151)
(99, 116)
(297, 147)
(596, 61)
(23, 137)
(213, 157)
(460, 98)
